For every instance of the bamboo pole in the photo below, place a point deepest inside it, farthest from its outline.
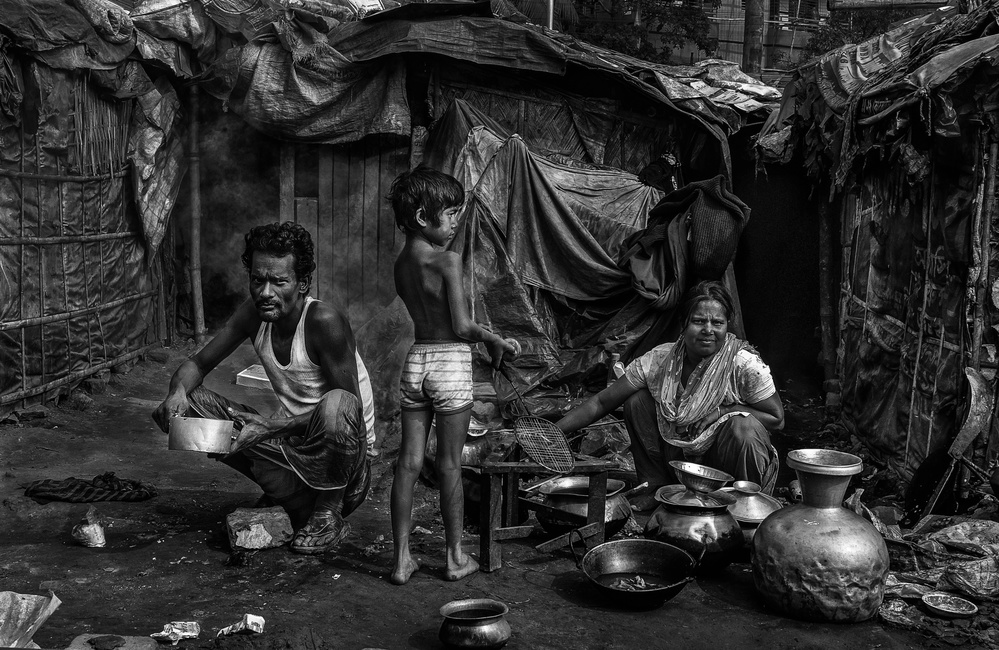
(55, 318)
(66, 239)
(827, 298)
(984, 231)
(70, 378)
(197, 301)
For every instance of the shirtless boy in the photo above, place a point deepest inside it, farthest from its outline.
(437, 376)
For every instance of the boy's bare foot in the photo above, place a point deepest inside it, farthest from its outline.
(459, 570)
(402, 572)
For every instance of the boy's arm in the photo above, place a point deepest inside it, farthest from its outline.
(461, 319)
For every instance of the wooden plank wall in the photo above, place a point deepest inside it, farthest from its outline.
(338, 193)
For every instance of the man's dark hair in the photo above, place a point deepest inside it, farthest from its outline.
(707, 290)
(426, 188)
(288, 238)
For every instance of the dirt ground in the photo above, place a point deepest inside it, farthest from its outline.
(167, 558)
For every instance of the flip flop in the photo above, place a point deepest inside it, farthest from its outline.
(320, 535)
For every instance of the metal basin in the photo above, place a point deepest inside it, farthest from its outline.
(656, 562)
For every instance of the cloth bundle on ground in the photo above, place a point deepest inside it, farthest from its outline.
(106, 487)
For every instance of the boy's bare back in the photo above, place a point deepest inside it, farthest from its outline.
(429, 281)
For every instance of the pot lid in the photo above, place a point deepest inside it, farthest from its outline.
(751, 506)
(680, 496)
(577, 486)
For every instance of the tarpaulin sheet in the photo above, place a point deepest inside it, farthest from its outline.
(59, 34)
(902, 348)
(319, 99)
(100, 271)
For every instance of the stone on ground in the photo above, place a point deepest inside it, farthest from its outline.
(258, 528)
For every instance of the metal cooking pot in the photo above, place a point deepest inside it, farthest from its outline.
(698, 523)
(570, 494)
(656, 562)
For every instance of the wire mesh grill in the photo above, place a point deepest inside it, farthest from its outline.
(544, 443)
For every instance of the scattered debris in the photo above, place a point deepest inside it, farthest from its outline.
(80, 401)
(90, 530)
(251, 624)
(377, 547)
(34, 412)
(420, 530)
(177, 630)
(258, 528)
(240, 558)
(22, 615)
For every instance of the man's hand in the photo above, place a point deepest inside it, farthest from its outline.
(249, 430)
(173, 406)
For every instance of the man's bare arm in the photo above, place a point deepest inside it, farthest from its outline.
(193, 370)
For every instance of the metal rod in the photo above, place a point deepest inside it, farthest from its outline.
(70, 378)
(54, 318)
(194, 170)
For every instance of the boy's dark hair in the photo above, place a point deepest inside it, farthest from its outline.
(707, 290)
(426, 188)
(282, 239)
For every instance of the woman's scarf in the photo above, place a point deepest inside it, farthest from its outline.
(705, 391)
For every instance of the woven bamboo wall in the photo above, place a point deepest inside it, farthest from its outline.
(76, 292)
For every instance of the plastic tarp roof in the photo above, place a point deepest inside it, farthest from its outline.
(844, 103)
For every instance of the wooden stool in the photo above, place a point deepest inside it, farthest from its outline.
(500, 504)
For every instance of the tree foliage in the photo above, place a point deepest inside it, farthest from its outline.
(663, 28)
(855, 26)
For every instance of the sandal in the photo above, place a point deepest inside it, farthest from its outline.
(323, 533)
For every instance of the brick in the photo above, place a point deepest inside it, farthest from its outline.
(257, 528)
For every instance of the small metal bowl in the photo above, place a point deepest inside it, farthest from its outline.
(948, 605)
(700, 478)
(200, 434)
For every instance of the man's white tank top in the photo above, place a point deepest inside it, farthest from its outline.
(300, 384)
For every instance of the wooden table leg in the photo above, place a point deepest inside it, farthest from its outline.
(510, 502)
(596, 505)
(490, 518)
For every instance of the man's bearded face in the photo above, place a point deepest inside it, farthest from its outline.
(274, 287)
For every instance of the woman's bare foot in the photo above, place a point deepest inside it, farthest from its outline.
(403, 571)
(463, 567)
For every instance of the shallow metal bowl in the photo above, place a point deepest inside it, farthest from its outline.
(948, 605)
(700, 478)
